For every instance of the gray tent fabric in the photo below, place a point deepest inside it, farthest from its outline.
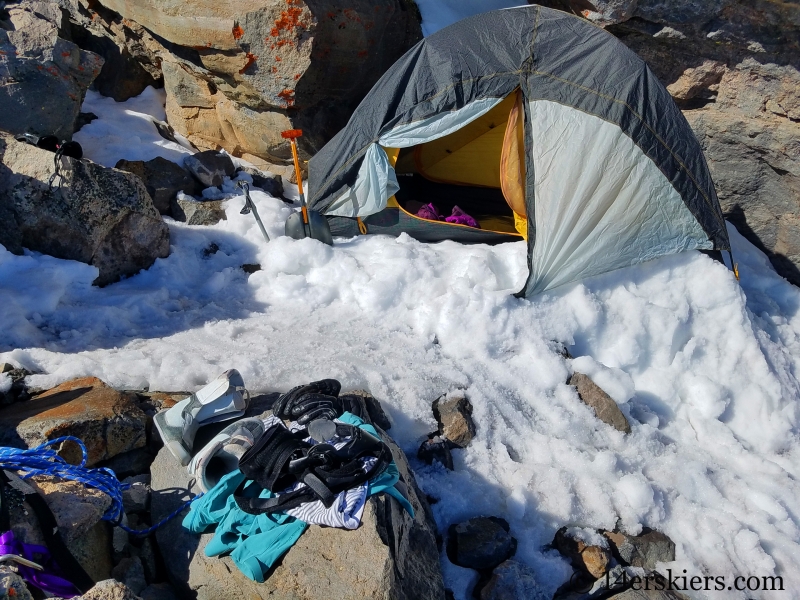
(555, 59)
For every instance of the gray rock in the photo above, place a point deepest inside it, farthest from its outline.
(77, 510)
(19, 390)
(198, 212)
(604, 406)
(128, 50)
(594, 559)
(132, 462)
(163, 180)
(45, 77)
(370, 407)
(755, 163)
(130, 572)
(95, 215)
(210, 167)
(390, 555)
(511, 580)
(136, 498)
(12, 586)
(256, 70)
(271, 183)
(159, 591)
(83, 120)
(644, 550)
(120, 541)
(144, 549)
(109, 589)
(453, 413)
(481, 543)
(436, 449)
(107, 421)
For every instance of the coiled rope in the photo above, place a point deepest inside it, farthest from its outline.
(43, 460)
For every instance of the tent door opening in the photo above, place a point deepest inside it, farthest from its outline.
(479, 168)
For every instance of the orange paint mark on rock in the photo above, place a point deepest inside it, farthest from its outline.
(278, 59)
(287, 96)
(251, 58)
(65, 54)
(237, 32)
(297, 76)
(289, 21)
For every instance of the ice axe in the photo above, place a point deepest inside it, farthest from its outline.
(249, 205)
(306, 223)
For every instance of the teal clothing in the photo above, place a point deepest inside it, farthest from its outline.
(256, 542)
(390, 475)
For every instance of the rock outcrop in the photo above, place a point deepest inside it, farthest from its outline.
(163, 180)
(107, 421)
(734, 68)
(100, 216)
(390, 555)
(77, 510)
(239, 73)
(43, 76)
(130, 52)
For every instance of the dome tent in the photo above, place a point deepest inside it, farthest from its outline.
(539, 124)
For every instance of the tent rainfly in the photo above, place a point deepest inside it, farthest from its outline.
(541, 126)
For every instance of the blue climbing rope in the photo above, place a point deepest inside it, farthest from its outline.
(43, 460)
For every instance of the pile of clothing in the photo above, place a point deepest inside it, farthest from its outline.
(457, 216)
(314, 461)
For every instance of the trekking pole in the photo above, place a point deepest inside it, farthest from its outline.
(250, 205)
(292, 135)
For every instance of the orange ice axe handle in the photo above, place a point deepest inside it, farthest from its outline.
(292, 135)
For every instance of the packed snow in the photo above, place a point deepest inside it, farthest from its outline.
(127, 130)
(705, 368)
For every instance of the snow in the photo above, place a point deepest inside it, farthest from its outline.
(704, 367)
(5, 382)
(126, 130)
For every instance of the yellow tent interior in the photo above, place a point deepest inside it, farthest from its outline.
(486, 153)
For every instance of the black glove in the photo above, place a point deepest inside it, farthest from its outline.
(310, 407)
(311, 401)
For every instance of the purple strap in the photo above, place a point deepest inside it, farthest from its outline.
(40, 554)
